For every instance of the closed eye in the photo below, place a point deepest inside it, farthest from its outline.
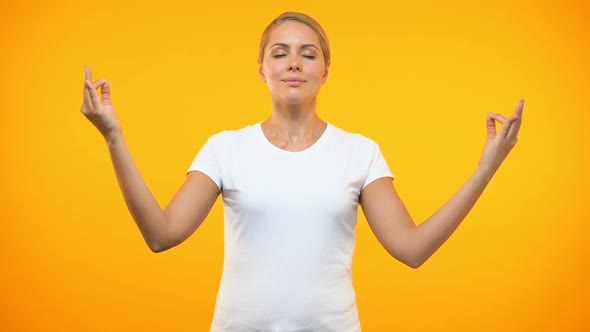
(282, 55)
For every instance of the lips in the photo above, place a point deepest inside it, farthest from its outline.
(294, 83)
(293, 79)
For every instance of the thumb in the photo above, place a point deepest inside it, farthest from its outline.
(105, 90)
(491, 124)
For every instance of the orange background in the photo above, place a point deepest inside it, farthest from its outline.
(419, 79)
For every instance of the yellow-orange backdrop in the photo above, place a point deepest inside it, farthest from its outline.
(417, 78)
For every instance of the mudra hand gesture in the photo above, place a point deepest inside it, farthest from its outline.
(98, 110)
(498, 145)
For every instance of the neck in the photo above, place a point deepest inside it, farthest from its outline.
(295, 121)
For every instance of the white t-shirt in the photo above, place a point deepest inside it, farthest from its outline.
(289, 230)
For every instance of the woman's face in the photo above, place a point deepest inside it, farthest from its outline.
(293, 65)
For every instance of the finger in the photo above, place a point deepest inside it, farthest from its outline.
(105, 90)
(87, 95)
(498, 117)
(491, 124)
(507, 125)
(98, 83)
(93, 95)
(519, 107)
(87, 74)
(514, 127)
(87, 99)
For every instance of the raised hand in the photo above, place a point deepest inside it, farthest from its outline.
(99, 110)
(498, 145)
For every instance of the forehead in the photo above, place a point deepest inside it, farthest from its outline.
(293, 33)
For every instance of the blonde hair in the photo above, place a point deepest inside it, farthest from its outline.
(299, 17)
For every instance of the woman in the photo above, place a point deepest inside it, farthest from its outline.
(291, 186)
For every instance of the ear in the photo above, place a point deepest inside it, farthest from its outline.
(262, 77)
(325, 77)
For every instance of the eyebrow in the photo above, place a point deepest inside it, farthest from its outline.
(287, 46)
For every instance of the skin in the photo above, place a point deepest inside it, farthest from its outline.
(394, 228)
(294, 126)
(293, 49)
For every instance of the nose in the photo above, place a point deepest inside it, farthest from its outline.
(294, 64)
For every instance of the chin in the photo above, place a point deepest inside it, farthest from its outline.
(297, 98)
(292, 100)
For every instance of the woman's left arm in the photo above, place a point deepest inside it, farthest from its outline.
(392, 224)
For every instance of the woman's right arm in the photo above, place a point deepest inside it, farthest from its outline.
(162, 229)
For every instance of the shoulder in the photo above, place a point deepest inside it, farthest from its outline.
(352, 139)
(234, 135)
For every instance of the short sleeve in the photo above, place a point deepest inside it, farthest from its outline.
(378, 167)
(207, 160)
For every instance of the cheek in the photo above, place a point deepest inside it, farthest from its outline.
(318, 71)
(271, 69)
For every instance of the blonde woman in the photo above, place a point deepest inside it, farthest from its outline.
(291, 185)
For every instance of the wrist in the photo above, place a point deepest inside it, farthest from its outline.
(114, 138)
(485, 172)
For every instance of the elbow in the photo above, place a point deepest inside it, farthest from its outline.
(414, 264)
(155, 250)
(408, 258)
(156, 247)
(410, 261)
(158, 243)
(160, 246)
(415, 256)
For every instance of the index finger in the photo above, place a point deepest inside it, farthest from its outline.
(513, 130)
(519, 107)
(87, 74)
